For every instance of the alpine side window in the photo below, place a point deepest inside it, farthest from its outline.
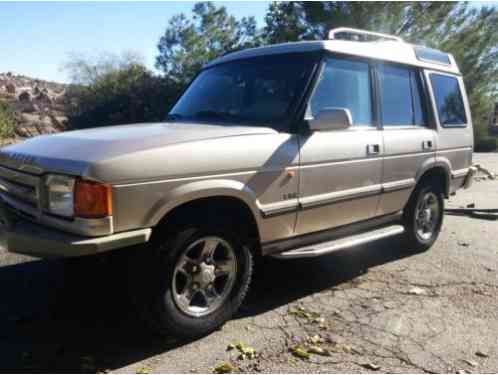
(449, 101)
(344, 83)
(400, 95)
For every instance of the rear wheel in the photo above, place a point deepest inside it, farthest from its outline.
(423, 216)
(196, 279)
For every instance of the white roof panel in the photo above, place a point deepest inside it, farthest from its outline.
(392, 51)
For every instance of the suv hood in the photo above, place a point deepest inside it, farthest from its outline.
(73, 152)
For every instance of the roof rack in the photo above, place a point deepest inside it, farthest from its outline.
(348, 30)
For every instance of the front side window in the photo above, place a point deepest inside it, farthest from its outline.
(400, 96)
(449, 102)
(260, 92)
(344, 83)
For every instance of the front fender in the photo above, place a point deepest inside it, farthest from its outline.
(192, 191)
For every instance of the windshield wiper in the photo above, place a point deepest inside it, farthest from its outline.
(173, 116)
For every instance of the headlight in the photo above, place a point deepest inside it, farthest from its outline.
(75, 197)
(60, 194)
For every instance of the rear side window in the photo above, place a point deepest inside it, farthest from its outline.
(449, 101)
(344, 83)
(400, 94)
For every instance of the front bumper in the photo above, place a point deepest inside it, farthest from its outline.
(17, 235)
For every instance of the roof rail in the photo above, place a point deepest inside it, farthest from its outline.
(348, 30)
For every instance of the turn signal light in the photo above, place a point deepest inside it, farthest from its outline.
(92, 199)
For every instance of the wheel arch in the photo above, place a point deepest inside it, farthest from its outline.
(439, 171)
(219, 197)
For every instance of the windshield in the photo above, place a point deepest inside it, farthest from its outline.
(260, 91)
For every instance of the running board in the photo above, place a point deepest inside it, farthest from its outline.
(341, 243)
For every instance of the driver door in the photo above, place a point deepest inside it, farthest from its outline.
(340, 170)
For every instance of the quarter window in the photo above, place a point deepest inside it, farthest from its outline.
(344, 84)
(400, 94)
(449, 102)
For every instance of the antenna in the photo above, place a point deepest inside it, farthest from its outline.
(348, 30)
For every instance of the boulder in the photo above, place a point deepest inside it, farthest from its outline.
(24, 97)
(10, 88)
(43, 98)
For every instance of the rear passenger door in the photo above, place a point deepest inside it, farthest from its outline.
(409, 142)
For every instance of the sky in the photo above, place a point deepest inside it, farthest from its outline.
(37, 38)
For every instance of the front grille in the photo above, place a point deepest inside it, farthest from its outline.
(20, 190)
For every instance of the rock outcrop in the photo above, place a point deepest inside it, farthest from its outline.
(38, 105)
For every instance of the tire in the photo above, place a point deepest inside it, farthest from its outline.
(179, 259)
(422, 228)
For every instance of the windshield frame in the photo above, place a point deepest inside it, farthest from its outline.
(292, 117)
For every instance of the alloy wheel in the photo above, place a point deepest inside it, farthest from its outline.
(204, 276)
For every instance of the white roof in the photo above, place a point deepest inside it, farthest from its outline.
(386, 50)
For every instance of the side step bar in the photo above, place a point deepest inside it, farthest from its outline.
(341, 243)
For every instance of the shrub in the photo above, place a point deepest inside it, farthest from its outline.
(127, 95)
(7, 121)
(487, 144)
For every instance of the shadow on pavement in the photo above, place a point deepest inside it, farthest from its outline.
(51, 322)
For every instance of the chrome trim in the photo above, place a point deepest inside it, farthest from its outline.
(23, 192)
(278, 208)
(452, 149)
(335, 196)
(398, 185)
(404, 127)
(342, 161)
(21, 177)
(341, 243)
(409, 154)
(313, 238)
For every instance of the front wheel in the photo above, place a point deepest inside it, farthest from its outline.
(198, 279)
(423, 217)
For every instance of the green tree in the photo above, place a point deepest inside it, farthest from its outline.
(116, 90)
(470, 34)
(86, 70)
(7, 122)
(189, 43)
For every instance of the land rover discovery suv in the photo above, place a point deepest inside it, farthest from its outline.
(291, 150)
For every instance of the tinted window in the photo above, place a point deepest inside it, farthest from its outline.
(344, 84)
(418, 108)
(449, 100)
(430, 54)
(400, 94)
(260, 91)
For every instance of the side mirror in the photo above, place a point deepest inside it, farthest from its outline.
(331, 119)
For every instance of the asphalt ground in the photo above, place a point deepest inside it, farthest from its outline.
(373, 308)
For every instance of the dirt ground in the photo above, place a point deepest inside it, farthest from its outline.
(372, 308)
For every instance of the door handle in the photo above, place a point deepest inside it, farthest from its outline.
(427, 145)
(373, 149)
